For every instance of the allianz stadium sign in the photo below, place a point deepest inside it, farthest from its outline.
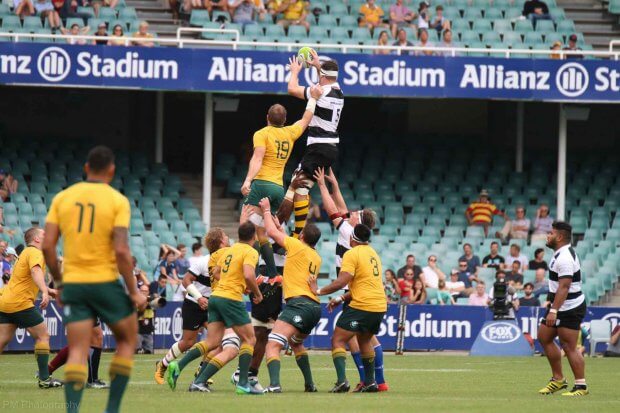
(214, 70)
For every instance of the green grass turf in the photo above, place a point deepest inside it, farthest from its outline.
(418, 383)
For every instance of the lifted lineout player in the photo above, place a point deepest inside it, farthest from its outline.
(303, 309)
(345, 221)
(565, 313)
(361, 270)
(323, 137)
(273, 146)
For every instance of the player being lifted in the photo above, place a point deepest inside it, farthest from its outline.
(93, 220)
(273, 146)
(345, 221)
(303, 309)
(17, 308)
(361, 270)
(323, 137)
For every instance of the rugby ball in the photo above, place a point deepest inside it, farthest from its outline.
(305, 56)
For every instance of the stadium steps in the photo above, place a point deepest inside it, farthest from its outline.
(158, 15)
(593, 20)
(615, 299)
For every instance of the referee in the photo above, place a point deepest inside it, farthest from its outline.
(564, 314)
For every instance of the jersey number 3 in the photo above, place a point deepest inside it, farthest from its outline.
(81, 217)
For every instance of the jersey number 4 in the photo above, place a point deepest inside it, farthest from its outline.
(91, 207)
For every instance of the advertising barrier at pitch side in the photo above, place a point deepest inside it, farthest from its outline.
(427, 327)
(217, 70)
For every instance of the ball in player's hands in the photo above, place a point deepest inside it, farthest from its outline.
(304, 56)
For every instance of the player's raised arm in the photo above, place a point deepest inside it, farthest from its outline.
(328, 203)
(294, 89)
(315, 93)
(125, 265)
(270, 226)
(336, 193)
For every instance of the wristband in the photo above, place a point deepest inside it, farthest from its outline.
(266, 211)
(339, 299)
(553, 311)
(311, 105)
(193, 291)
(290, 194)
(335, 216)
(318, 291)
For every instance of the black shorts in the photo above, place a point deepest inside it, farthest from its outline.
(271, 306)
(193, 316)
(571, 319)
(318, 155)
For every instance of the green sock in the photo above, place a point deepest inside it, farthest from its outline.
(120, 370)
(245, 358)
(273, 365)
(369, 368)
(266, 251)
(75, 379)
(208, 370)
(42, 360)
(190, 356)
(339, 356)
(303, 362)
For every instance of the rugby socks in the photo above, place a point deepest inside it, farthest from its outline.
(303, 362)
(245, 358)
(357, 358)
(273, 365)
(42, 354)
(120, 370)
(339, 356)
(379, 365)
(59, 360)
(93, 365)
(199, 350)
(368, 360)
(75, 379)
(301, 214)
(213, 366)
(266, 251)
(581, 383)
(172, 354)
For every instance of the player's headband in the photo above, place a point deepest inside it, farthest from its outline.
(356, 239)
(329, 73)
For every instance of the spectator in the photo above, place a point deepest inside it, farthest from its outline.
(8, 184)
(473, 261)
(542, 223)
(141, 278)
(143, 33)
(182, 263)
(480, 297)
(536, 10)
(439, 22)
(572, 46)
(515, 277)
(511, 296)
(8, 260)
(23, 8)
(403, 42)
(481, 212)
(97, 4)
(46, 10)
(613, 347)
(383, 41)
(211, 5)
(515, 255)
(539, 260)
(68, 8)
(423, 15)
(371, 15)
(159, 287)
(76, 31)
(541, 286)
(400, 16)
(515, 229)
(295, 14)
(529, 300)
(431, 274)
(243, 12)
(447, 43)
(392, 290)
(423, 42)
(410, 264)
(466, 277)
(557, 45)
(275, 7)
(196, 253)
(168, 268)
(493, 260)
(101, 32)
(117, 31)
(406, 286)
(4, 229)
(443, 295)
(455, 286)
(3, 247)
(418, 293)
(146, 327)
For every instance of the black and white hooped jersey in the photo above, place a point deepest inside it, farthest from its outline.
(344, 240)
(200, 269)
(323, 127)
(565, 264)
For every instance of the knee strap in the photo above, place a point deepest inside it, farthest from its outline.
(278, 338)
(231, 341)
(297, 340)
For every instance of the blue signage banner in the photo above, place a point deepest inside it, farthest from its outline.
(217, 70)
(428, 327)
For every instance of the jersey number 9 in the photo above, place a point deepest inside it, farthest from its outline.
(227, 263)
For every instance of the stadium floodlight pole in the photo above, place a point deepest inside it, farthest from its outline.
(561, 205)
(159, 126)
(207, 161)
(519, 151)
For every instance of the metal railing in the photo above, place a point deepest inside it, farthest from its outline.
(180, 42)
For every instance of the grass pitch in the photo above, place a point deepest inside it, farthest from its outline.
(418, 383)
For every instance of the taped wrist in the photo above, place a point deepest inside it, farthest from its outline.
(193, 291)
(311, 105)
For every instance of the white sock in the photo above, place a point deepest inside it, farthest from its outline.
(580, 382)
(172, 354)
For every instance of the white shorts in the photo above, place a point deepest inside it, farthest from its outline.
(258, 323)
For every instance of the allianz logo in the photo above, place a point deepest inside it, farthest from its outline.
(500, 333)
(572, 79)
(54, 64)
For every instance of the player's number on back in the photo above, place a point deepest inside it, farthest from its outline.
(227, 263)
(336, 115)
(91, 208)
(282, 149)
(375, 266)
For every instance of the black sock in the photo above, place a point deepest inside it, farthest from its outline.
(95, 358)
(253, 372)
